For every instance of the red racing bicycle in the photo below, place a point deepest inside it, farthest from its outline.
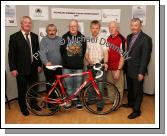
(52, 97)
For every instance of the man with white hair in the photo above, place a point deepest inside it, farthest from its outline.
(115, 59)
(73, 52)
(23, 66)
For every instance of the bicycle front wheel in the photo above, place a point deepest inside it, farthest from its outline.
(35, 99)
(110, 98)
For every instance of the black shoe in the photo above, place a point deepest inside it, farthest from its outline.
(56, 109)
(90, 103)
(99, 109)
(25, 112)
(67, 106)
(79, 106)
(36, 107)
(126, 105)
(133, 115)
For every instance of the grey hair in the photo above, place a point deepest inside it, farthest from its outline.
(136, 20)
(50, 25)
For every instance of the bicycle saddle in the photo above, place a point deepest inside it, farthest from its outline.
(54, 67)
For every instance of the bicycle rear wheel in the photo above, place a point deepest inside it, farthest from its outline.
(35, 97)
(110, 98)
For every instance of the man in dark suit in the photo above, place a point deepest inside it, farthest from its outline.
(139, 49)
(22, 45)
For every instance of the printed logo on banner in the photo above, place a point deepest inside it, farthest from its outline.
(38, 12)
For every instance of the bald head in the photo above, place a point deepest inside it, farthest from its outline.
(113, 27)
(73, 27)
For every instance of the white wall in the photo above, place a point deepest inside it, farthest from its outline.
(62, 25)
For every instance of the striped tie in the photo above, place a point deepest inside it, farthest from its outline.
(132, 41)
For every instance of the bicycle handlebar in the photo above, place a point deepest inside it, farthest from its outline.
(99, 68)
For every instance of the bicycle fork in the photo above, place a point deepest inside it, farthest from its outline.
(97, 90)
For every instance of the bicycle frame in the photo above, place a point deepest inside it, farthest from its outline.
(90, 79)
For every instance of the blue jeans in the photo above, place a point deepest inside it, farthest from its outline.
(100, 103)
(72, 83)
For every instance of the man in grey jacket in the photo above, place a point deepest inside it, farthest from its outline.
(50, 52)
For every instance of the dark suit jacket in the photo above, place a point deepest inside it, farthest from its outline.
(140, 54)
(19, 54)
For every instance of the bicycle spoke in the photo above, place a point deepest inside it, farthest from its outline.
(110, 98)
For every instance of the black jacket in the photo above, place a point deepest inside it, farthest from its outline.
(73, 51)
(19, 54)
(140, 54)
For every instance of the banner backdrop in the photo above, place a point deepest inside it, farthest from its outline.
(111, 15)
(10, 15)
(79, 14)
(140, 12)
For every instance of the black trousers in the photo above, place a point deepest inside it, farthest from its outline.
(50, 75)
(135, 93)
(23, 82)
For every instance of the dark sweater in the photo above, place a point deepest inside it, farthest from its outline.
(73, 51)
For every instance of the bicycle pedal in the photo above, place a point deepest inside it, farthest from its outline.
(67, 107)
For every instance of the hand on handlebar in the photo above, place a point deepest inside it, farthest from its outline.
(99, 68)
(105, 67)
(49, 64)
(91, 62)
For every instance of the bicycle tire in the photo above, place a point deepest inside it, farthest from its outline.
(46, 105)
(114, 102)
